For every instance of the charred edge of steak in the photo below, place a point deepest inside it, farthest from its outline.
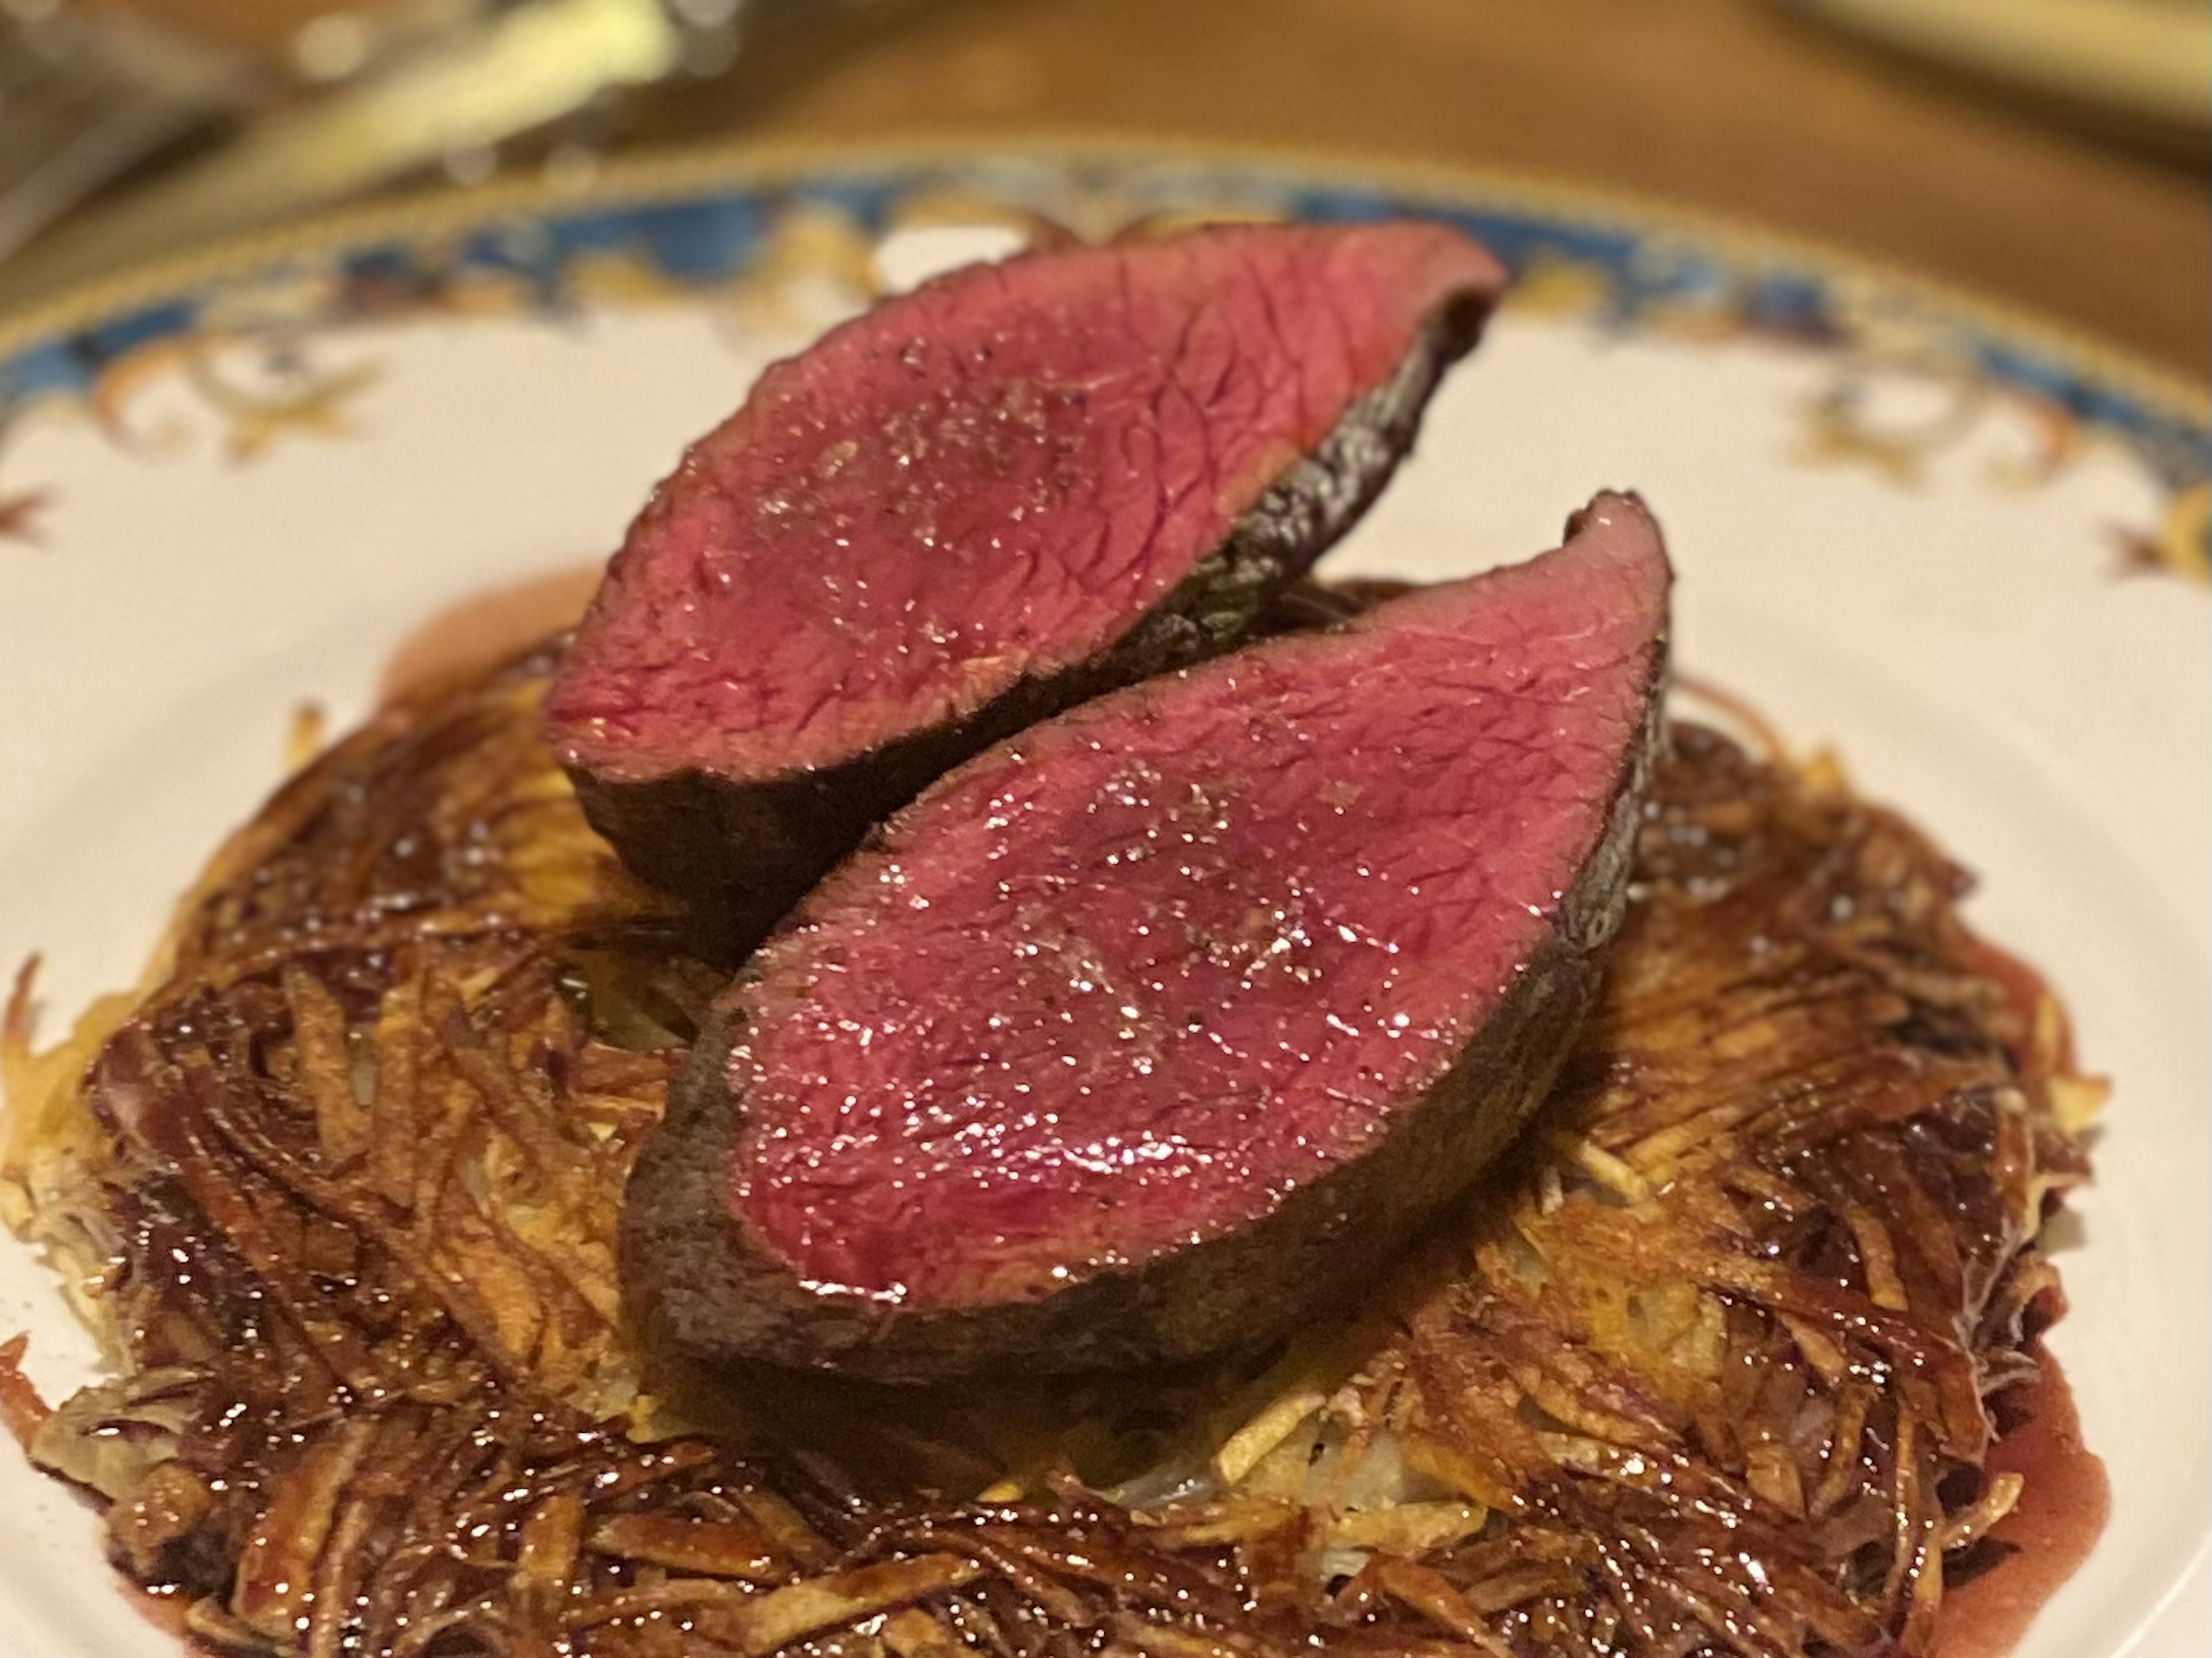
(1235, 1292)
(740, 853)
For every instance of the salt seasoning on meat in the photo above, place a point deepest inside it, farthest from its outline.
(1141, 1034)
(978, 504)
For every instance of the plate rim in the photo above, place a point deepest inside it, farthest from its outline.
(700, 173)
(693, 171)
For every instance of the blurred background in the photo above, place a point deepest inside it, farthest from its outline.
(2056, 154)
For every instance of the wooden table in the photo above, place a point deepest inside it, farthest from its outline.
(1743, 106)
(1729, 105)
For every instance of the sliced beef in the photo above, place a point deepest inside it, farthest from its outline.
(1138, 1035)
(1014, 487)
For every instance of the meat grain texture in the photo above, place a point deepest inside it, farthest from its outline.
(980, 503)
(1145, 1033)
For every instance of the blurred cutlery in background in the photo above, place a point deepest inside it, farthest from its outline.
(82, 100)
(276, 122)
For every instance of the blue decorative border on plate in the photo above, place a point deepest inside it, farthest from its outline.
(1624, 271)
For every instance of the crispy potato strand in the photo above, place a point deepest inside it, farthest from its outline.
(1685, 1377)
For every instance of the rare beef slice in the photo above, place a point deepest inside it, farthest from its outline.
(978, 504)
(1138, 1035)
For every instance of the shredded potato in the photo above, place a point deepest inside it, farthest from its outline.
(339, 1186)
(1242, 1451)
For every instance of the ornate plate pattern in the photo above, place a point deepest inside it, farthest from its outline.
(1968, 551)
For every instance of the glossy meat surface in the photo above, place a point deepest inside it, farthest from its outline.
(986, 480)
(1122, 984)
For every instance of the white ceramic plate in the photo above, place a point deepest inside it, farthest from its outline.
(1969, 554)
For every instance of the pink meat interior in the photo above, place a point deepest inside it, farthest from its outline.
(991, 477)
(1125, 981)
